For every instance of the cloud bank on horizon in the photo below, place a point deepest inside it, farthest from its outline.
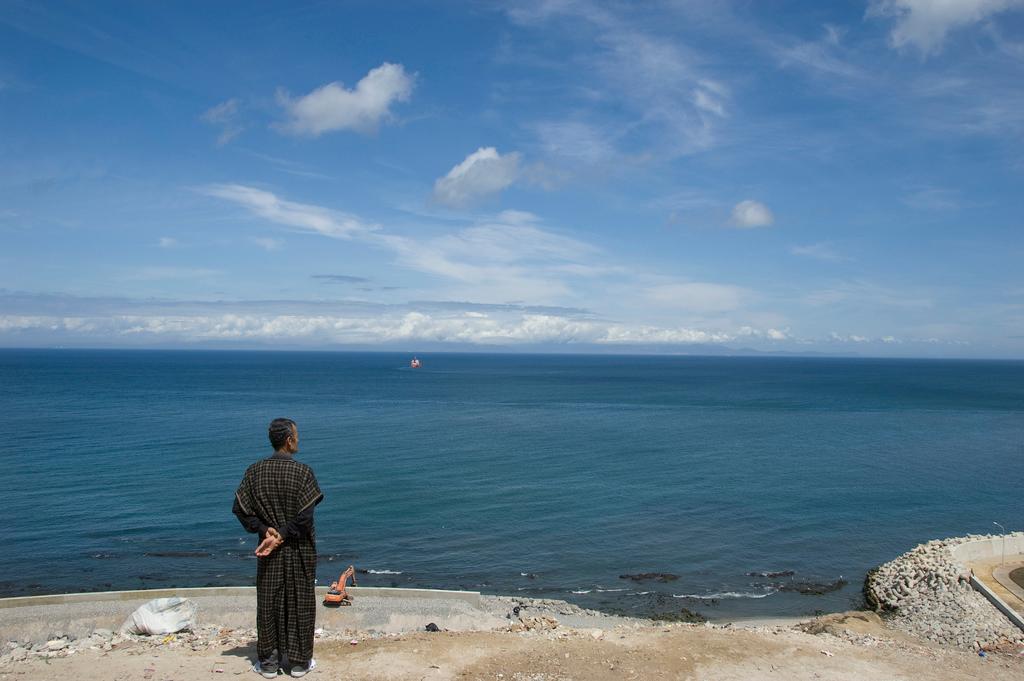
(549, 175)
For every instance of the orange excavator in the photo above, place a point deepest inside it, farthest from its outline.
(337, 595)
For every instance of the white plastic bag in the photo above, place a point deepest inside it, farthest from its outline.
(162, 616)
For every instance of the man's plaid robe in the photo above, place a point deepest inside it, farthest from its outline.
(276, 490)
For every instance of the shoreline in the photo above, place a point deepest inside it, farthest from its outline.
(481, 637)
(100, 609)
(636, 602)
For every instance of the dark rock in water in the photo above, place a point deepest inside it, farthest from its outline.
(645, 576)
(177, 554)
(772, 575)
(684, 615)
(812, 588)
(362, 571)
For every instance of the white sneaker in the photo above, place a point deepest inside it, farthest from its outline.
(299, 672)
(265, 673)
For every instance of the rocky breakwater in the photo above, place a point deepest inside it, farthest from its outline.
(925, 592)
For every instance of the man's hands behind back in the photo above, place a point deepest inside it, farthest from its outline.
(270, 542)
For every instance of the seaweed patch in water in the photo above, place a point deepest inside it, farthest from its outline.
(658, 576)
(772, 575)
(812, 588)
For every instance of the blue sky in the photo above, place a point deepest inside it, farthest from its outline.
(833, 177)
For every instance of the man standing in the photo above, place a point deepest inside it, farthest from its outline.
(276, 500)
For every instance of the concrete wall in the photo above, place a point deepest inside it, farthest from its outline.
(988, 549)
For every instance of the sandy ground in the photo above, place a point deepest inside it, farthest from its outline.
(845, 648)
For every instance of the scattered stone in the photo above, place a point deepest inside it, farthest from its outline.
(540, 623)
(684, 615)
(843, 624)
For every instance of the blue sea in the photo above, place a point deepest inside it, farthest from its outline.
(542, 476)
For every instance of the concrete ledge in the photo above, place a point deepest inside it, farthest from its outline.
(40, 618)
(1010, 613)
(469, 597)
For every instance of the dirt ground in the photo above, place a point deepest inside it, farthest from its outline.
(654, 653)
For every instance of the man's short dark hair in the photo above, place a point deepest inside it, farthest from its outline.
(280, 430)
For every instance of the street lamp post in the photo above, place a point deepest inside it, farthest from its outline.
(1004, 541)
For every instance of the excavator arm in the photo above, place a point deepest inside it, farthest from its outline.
(337, 595)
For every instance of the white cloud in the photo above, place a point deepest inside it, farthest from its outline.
(748, 214)
(933, 199)
(659, 77)
(698, 296)
(170, 273)
(333, 107)
(410, 326)
(819, 251)
(303, 216)
(222, 113)
(482, 173)
(590, 271)
(167, 242)
(671, 106)
(848, 338)
(709, 97)
(225, 116)
(924, 24)
(268, 244)
(824, 57)
(507, 257)
(769, 334)
(575, 141)
(865, 294)
(662, 336)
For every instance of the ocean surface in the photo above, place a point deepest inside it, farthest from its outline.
(545, 476)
